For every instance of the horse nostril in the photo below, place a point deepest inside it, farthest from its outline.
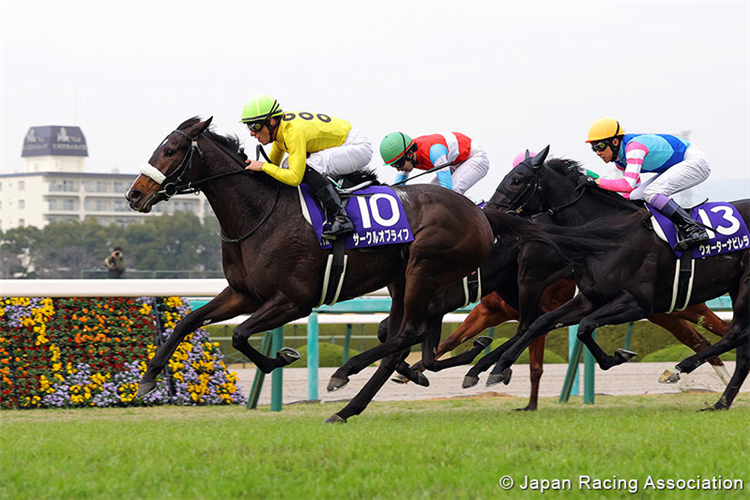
(134, 195)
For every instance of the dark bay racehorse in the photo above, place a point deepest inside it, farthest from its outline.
(499, 276)
(624, 272)
(273, 262)
(493, 310)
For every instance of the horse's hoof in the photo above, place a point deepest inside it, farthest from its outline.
(469, 381)
(337, 383)
(496, 378)
(422, 380)
(288, 355)
(400, 379)
(625, 354)
(482, 342)
(669, 377)
(526, 408)
(144, 389)
(334, 419)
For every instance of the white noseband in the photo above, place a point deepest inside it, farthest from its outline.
(152, 173)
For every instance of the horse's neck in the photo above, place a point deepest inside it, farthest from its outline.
(590, 206)
(239, 201)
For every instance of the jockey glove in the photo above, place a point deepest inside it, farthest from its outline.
(585, 181)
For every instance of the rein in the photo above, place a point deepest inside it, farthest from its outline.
(433, 169)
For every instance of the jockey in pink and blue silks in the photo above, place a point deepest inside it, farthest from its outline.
(465, 161)
(677, 163)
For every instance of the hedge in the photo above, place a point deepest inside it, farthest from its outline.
(83, 352)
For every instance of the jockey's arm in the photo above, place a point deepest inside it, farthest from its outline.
(292, 176)
(401, 176)
(276, 154)
(634, 156)
(439, 158)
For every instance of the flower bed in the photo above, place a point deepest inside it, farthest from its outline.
(81, 352)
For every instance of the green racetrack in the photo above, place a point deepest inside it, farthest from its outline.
(457, 448)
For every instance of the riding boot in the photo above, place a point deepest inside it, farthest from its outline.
(326, 194)
(689, 233)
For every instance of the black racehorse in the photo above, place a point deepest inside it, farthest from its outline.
(541, 269)
(624, 272)
(273, 262)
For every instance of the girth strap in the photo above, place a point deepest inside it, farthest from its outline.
(333, 279)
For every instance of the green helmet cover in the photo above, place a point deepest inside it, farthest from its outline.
(260, 107)
(394, 145)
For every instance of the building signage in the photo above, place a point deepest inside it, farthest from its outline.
(54, 140)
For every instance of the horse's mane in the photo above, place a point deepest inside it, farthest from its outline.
(364, 175)
(230, 143)
(573, 169)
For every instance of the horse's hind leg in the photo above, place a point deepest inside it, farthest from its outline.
(737, 334)
(226, 305)
(740, 374)
(275, 312)
(702, 315)
(536, 368)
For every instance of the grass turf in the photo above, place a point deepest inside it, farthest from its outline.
(457, 448)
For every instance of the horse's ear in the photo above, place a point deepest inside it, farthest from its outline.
(538, 160)
(204, 126)
(528, 155)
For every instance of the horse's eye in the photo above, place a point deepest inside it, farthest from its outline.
(169, 152)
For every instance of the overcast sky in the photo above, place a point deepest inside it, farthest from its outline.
(510, 75)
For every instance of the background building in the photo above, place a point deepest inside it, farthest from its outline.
(55, 187)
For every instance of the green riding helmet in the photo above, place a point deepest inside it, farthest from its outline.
(394, 146)
(260, 107)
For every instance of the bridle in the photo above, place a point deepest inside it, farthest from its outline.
(535, 186)
(515, 205)
(173, 187)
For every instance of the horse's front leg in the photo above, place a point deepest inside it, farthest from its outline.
(569, 313)
(622, 309)
(359, 402)
(277, 311)
(226, 305)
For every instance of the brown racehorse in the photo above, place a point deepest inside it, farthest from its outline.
(275, 267)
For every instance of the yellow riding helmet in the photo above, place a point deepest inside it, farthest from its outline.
(604, 128)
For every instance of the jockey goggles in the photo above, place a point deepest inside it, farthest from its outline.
(400, 162)
(599, 146)
(256, 126)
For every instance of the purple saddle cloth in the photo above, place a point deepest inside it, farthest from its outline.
(377, 213)
(729, 231)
